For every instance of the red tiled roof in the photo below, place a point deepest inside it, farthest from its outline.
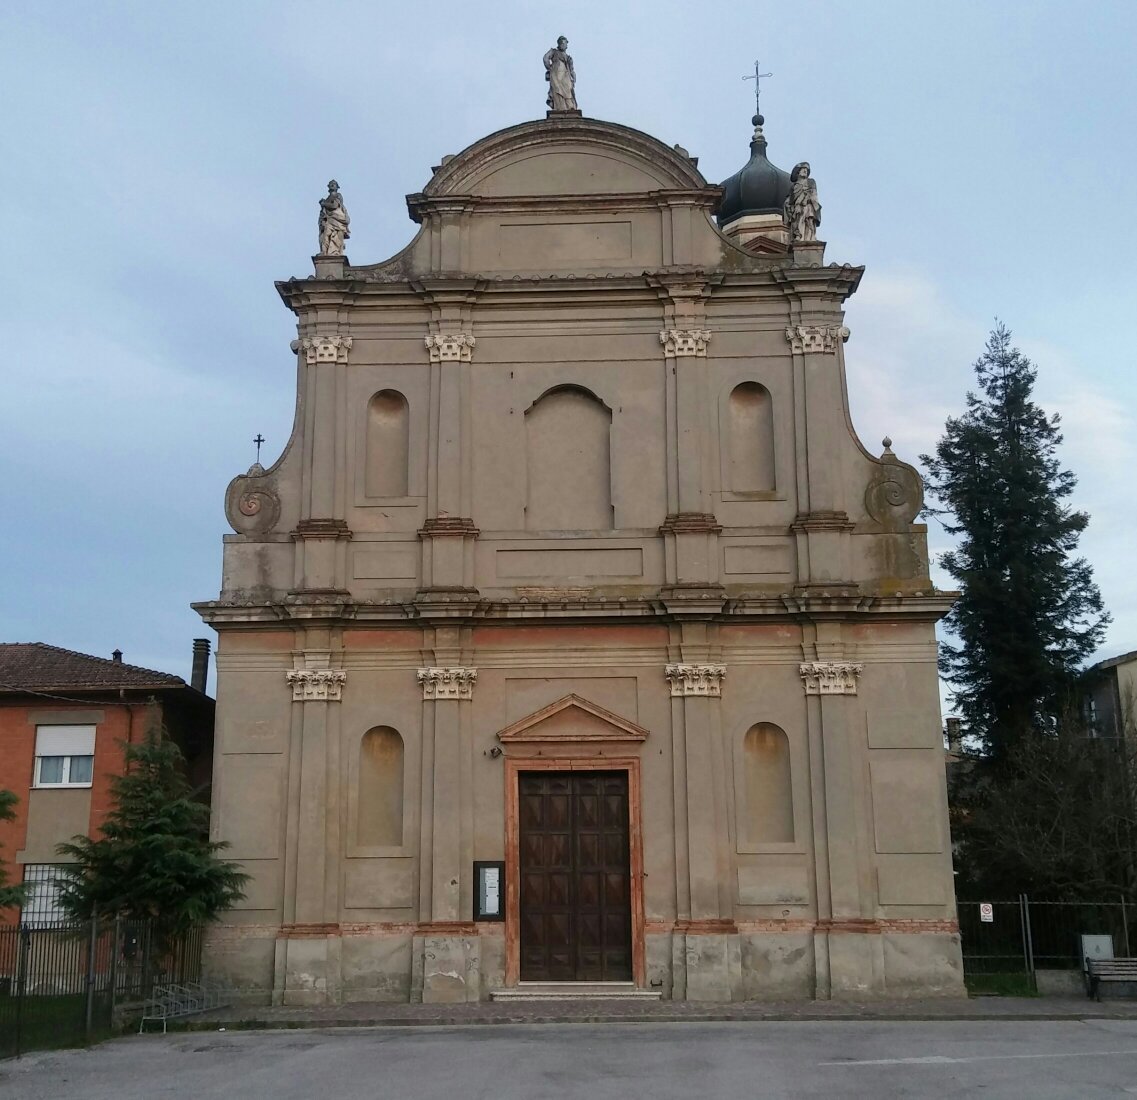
(35, 666)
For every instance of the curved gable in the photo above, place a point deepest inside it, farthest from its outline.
(563, 194)
(565, 157)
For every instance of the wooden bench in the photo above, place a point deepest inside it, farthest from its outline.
(1109, 970)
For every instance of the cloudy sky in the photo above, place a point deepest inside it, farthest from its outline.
(160, 166)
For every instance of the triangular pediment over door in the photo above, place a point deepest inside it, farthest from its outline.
(572, 719)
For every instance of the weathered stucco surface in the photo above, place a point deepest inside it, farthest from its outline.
(575, 439)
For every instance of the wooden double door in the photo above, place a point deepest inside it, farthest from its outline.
(575, 876)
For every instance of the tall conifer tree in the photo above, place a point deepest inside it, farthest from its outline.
(1029, 613)
(154, 859)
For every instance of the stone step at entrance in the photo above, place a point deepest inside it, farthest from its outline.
(575, 991)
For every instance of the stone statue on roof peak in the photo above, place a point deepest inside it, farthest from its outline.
(561, 75)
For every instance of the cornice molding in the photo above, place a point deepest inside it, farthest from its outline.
(444, 527)
(822, 521)
(322, 529)
(690, 523)
(843, 603)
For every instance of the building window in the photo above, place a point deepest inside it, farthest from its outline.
(43, 881)
(65, 756)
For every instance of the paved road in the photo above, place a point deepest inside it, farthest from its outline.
(1064, 1059)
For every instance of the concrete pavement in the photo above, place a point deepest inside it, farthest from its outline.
(770, 1059)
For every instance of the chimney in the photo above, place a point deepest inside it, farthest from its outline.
(116, 656)
(200, 671)
(954, 729)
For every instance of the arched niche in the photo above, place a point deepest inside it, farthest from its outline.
(379, 797)
(750, 439)
(387, 452)
(769, 808)
(567, 447)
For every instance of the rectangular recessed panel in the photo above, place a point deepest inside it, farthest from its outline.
(582, 564)
(757, 558)
(385, 565)
(249, 807)
(910, 880)
(777, 884)
(575, 877)
(379, 883)
(550, 244)
(908, 811)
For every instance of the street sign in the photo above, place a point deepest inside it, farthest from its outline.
(986, 912)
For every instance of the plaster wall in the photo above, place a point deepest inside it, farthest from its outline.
(578, 258)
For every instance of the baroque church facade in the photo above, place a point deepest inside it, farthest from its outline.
(574, 636)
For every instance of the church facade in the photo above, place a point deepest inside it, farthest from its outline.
(575, 636)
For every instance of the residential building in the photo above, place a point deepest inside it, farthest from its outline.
(1109, 699)
(65, 718)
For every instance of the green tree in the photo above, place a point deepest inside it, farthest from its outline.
(1060, 821)
(154, 859)
(1029, 613)
(10, 893)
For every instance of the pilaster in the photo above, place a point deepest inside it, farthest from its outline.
(447, 558)
(308, 957)
(449, 960)
(691, 552)
(324, 356)
(449, 531)
(320, 556)
(847, 958)
(711, 951)
(822, 526)
(690, 530)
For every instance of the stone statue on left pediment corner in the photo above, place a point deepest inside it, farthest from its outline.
(334, 222)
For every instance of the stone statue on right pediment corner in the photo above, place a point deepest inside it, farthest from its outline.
(803, 210)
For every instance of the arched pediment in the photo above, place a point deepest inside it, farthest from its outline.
(565, 157)
(565, 194)
(572, 719)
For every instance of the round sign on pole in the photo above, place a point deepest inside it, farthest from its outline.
(986, 912)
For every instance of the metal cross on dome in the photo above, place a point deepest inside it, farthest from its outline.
(258, 441)
(758, 77)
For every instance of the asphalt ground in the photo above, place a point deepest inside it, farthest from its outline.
(814, 1058)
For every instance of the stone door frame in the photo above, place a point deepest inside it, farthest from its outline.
(514, 766)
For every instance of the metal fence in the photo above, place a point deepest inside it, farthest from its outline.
(1021, 937)
(62, 984)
